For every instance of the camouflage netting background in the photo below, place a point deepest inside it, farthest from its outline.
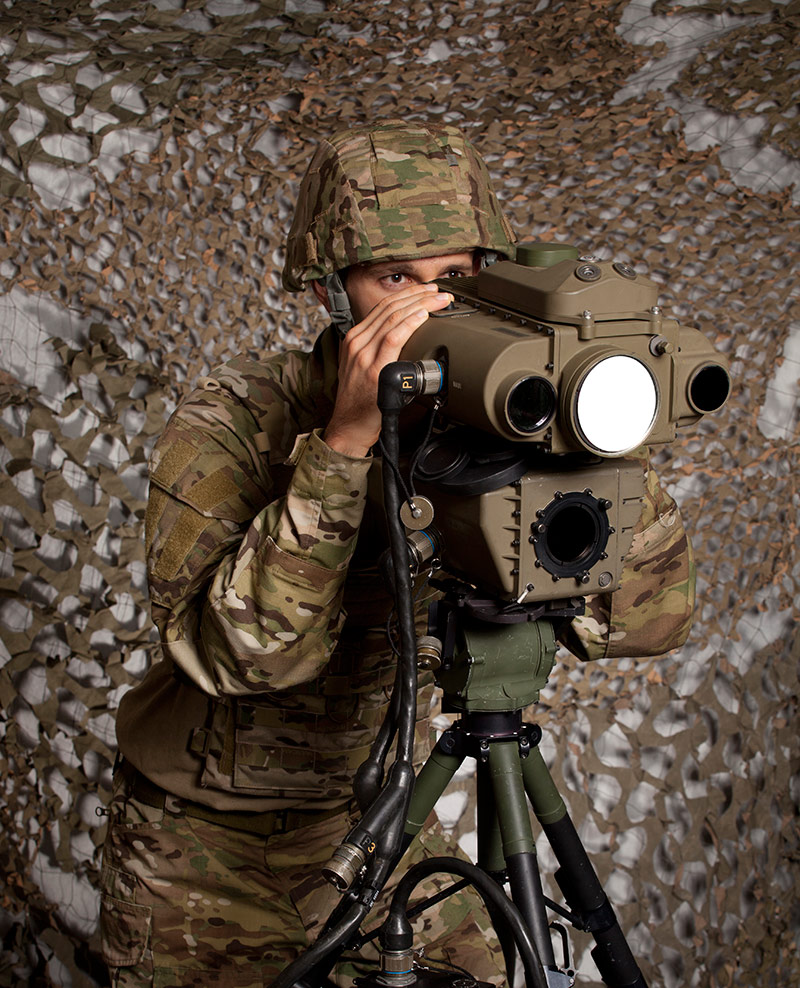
(149, 161)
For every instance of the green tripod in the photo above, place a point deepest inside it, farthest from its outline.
(489, 671)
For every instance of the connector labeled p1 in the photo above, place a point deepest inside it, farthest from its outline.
(403, 380)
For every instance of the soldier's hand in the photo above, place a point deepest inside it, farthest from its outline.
(377, 340)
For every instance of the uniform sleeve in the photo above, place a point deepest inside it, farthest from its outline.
(651, 611)
(246, 586)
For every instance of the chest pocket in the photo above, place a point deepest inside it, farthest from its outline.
(297, 751)
(308, 742)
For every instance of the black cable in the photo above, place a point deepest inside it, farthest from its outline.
(437, 404)
(489, 891)
(383, 822)
(414, 911)
(369, 775)
(443, 967)
(403, 593)
(326, 944)
(390, 621)
(408, 491)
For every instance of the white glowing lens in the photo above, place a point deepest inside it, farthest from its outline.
(616, 404)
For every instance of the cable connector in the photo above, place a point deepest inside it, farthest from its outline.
(403, 380)
(397, 968)
(347, 861)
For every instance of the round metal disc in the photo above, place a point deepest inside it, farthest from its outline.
(417, 513)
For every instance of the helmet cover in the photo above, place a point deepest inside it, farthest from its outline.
(389, 191)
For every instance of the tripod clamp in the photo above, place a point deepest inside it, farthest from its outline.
(465, 738)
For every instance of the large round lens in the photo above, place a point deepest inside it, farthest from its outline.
(530, 404)
(616, 404)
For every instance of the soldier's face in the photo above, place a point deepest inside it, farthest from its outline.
(367, 284)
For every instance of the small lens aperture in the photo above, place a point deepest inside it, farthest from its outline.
(709, 388)
(530, 405)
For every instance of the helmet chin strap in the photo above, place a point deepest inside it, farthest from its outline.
(339, 309)
(341, 314)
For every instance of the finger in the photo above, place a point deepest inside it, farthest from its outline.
(389, 306)
(388, 343)
(395, 318)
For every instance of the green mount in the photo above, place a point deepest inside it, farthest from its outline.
(498, 667)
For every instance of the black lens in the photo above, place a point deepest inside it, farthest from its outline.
(571, 534)
(530, 405)
(709, 388)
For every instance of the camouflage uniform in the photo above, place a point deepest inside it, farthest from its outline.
(240, 746)
(192, 902)
(252, 719)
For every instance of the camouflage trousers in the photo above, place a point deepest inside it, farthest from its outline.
(189, 902)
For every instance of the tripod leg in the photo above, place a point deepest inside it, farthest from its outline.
(577, 878)
(490, 841)
(491, 860)
(518, 847)
(431, 782)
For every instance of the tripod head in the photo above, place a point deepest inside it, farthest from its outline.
(488, 655)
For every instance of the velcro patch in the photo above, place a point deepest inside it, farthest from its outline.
(182, 539)
(157, 502)
(174, 462)
(212, 490)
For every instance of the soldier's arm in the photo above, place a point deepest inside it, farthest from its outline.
(246, 587)
(247, 591)
(651, 612)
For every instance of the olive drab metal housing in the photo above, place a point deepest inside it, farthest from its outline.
(555, 372)
(576, 356)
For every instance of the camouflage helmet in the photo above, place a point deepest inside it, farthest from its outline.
(389, 191)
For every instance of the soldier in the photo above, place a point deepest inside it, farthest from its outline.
(238, 749)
